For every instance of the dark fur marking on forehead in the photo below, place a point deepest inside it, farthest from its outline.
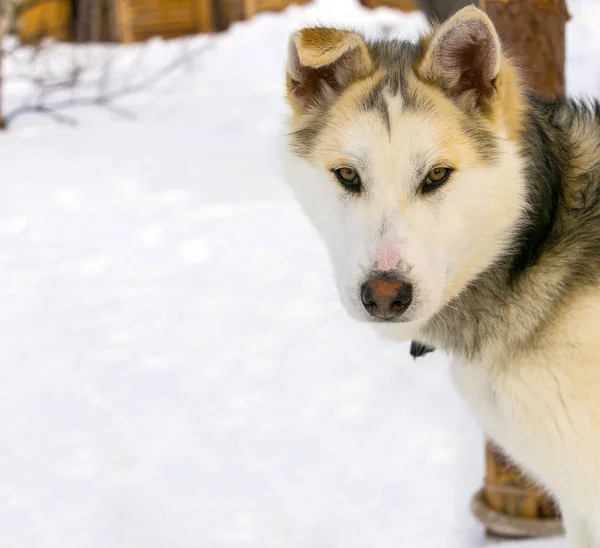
(396, 58)
(375, 100)
(486, 143)
(395, 54)
(303, 140)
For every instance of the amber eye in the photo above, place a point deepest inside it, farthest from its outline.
(436, 178)
(348, 178)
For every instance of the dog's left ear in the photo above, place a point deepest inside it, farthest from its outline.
(322, 63)
(463, 57)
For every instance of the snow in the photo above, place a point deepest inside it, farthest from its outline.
(176, 369)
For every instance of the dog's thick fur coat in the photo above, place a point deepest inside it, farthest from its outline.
(504, 258)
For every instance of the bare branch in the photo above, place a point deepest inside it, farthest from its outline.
(47, 85)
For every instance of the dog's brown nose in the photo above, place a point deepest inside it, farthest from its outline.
(386, 299)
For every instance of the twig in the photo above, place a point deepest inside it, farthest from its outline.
(104, 98)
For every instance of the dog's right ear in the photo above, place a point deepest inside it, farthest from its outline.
(464, 57)
(322, 63)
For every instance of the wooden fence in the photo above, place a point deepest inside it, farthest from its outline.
(136, 20)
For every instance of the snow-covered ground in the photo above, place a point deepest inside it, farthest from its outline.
(175, 369)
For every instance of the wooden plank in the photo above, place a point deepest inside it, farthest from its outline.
(252, 7)
(142, 19)
(204, 9)
(50, 19)
(123, 22)
(403, 5)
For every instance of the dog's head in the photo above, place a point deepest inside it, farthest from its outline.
(406, 158)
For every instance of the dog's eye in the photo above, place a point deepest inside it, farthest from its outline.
(348, 178)
(436, 178)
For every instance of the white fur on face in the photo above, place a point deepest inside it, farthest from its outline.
(438, 242)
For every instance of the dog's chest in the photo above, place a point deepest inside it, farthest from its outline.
(492, 401)
(532, 416)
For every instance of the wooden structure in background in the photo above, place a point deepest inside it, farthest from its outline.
(227, 12)
(94, 21)
(129, 21)
(404, 5)
(51, 18)
(252, 7)
(66, 20)
(139, 20)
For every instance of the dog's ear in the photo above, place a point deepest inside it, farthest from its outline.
(463, 57)
(322, 63)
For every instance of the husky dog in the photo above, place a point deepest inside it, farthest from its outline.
(462, 212)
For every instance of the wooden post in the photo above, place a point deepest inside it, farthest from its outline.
(95, 21)
(123, 23)
(534, 32)
(510, 504)
(205, 15)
